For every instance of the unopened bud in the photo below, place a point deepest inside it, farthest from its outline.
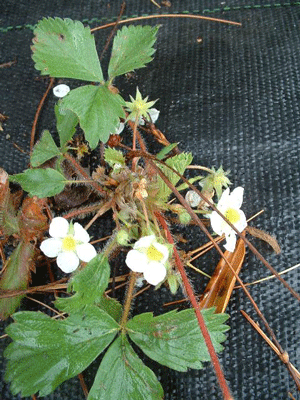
(122, 237)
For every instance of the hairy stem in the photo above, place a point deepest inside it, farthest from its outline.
(191, 295)
(129, 297)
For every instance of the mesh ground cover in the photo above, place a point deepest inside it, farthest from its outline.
(232, 99)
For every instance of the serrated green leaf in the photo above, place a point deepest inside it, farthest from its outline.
(112, 307)
(40, 182)
(132, 49)
(44, 150)
(166, 150)
(16, 276)
(66, 122)
(179, 163)
(89, 285)
(63, 48)
(46, 352)
(99, 113)
(113, 156)
(174, 339)
(122, 375)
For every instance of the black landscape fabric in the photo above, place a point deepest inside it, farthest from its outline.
(229, 94)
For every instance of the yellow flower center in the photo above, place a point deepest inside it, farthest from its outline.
(68, 243)
(232, 215)
(153, 254)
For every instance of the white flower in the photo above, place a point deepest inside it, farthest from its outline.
(229, 205)
(149, 257)
(61, 90)
(69, 243)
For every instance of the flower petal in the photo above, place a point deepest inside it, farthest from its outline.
(67, 261)
(51, 247)
(59, 227)
(144, 242)
(154, 114)
(61, 90)
(230, 242)
(155, 273)
(216, 223)
(86, 252)
(80, 234)
(136, 261)
(236, 197)
(242, 223)
(224, 200)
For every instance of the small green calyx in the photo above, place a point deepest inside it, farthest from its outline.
(216, 180)
(138, 107)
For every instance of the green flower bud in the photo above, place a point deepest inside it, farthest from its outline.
(184, 218)
(122, 237)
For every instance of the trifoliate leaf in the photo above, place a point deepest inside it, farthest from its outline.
(113, 156)
(179, 163)
(63, 48)
(89, 285)
(122, 375)
(174, 339)
(99, 114)
(132, 49)
(66, 122)
(44, 150)
(40, 182)
(16, 276)
(46, 352)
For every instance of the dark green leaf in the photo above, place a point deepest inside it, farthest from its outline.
(174, 339)
(44, 150)
(166, 150)
(132, 49)
(99, 111)
(89, 285)
(179, 163)
(16, 276)
(46, 352)
(63, 48)
(112, 307)
(66, 122)
(122, 375)
(40, 182)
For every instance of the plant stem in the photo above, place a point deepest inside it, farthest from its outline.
(192, 298)
(129, 297)
(82, 172)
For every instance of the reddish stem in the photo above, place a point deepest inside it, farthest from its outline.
(37, 114)
(191, 295)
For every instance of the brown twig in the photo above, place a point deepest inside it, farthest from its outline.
(83, 385)
(284, 357)
(145, 17)
(8, 64)
(37, 114)
(108, 40)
